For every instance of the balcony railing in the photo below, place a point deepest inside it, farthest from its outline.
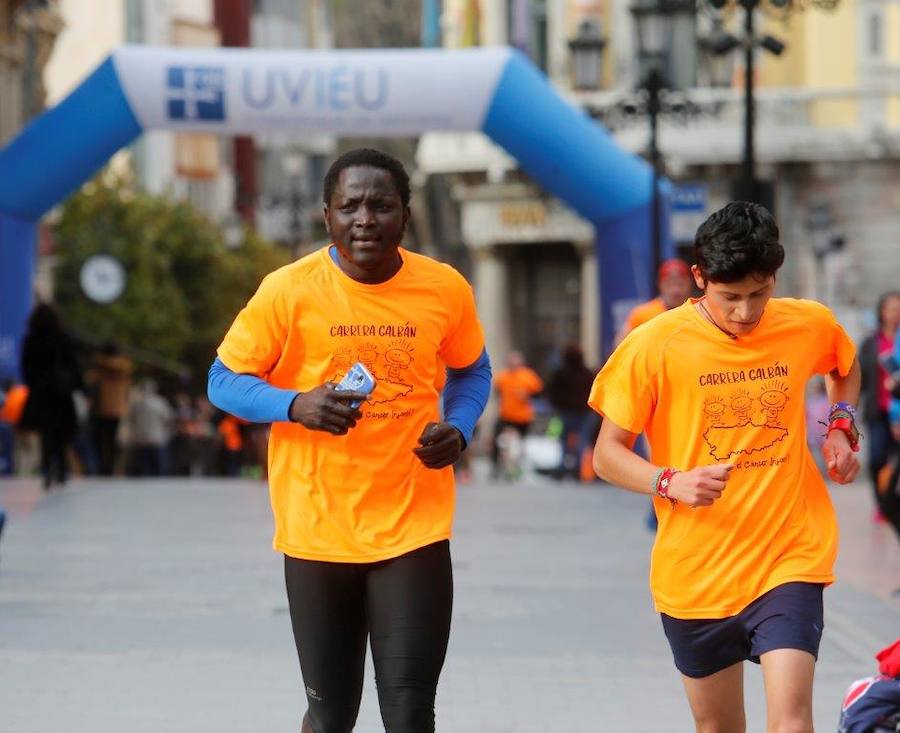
(704, 125)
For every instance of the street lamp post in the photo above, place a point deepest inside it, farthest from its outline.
(748, 187)
(293, 164)
(654, 85)
(654, 22)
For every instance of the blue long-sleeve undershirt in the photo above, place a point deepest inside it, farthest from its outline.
(251, 398)
(466, 394)
(247, 396)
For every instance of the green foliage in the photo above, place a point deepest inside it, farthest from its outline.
(184, 285)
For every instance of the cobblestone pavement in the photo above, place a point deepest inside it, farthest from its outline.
(134, 606)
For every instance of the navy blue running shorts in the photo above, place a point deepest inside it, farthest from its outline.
(787, 617)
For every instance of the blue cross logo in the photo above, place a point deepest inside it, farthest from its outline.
(196, 93)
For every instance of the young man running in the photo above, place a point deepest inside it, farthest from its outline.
(363, 496)
(747, 533)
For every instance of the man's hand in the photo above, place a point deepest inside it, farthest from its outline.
(439, 445)
(840, 460)
(700, 486)
(325, 408)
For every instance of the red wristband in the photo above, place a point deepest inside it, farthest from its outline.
(662, 484)
(848, 428)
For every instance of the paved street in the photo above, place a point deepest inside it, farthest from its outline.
(132, 607)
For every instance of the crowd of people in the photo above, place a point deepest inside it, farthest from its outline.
(103, 419)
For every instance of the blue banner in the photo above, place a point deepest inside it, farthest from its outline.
(18, 241)
(625, 262)
(369, 93)
(690, 203)
(65, 146)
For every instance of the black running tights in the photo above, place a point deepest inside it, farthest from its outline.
(403, 604)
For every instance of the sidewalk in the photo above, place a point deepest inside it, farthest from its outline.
(159, 606)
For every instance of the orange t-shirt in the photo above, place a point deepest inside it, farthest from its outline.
(364, 496)
(230, 431)
(642, 313)
(703, 398)
(12, 409)
(516, 387)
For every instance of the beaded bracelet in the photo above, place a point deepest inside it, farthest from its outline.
(842, 416)
(842, 407)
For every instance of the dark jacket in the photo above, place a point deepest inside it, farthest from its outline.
(871, 375)
(50, 371)
(570, 386)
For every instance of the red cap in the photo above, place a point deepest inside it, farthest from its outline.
(674, 266)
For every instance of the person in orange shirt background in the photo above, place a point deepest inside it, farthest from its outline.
(361, 482)
(747, 534)
(515, 387)
(675, 286)
(12, 402)
(230, 430)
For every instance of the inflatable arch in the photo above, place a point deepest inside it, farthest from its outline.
(346, 93)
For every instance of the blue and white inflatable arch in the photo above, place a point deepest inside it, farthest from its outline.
(347, 93)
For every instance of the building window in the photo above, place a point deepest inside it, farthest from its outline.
(134, 22)
(873, 41)
(527, 28)
(279, 24)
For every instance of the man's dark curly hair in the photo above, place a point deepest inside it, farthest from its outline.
(738, 240)
(369, 158)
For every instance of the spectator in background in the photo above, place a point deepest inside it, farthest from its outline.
(182, 447)
(6, 442)
(256, 445)
(888, 489)
(875, 357)
(151, 420)
(231, 432)
(515, 386)
(675, 286)
(568, 390)
(83, 442)
(50, 371)
(110, 381)
(205, 438)
(12, 403)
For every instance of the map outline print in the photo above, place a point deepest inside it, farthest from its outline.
(771, 402)
(780, 434)
(386, 365)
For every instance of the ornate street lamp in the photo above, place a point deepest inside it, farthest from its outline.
(718, 59)
(748, 188)
(587, 54)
